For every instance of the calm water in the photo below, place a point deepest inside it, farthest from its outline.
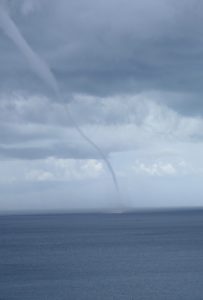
(131, 256)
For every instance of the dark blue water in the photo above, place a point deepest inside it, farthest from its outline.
(122, 256)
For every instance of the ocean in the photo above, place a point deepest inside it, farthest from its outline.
(141, 256)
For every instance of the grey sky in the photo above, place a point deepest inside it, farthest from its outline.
(131, 73)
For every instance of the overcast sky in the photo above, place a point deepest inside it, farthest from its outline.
(131, 73)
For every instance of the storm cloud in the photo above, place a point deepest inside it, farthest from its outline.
(112, 47)
(129, 71)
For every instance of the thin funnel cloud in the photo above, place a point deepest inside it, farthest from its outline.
(35, 62)
(43, 71)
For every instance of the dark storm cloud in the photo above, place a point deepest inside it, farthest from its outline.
(111, 47)
(99, 48)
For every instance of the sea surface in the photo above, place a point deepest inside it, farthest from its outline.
(142, 256)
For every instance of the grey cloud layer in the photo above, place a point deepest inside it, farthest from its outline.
(35, 128)
(100, 48)
(111, 47)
